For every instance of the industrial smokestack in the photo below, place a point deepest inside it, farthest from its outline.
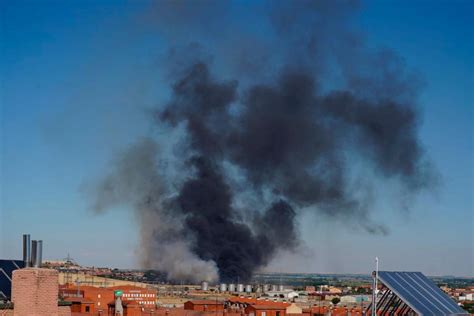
(26, 250)
(34, 248)
(39, 254)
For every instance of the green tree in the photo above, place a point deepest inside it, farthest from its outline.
(335, 300)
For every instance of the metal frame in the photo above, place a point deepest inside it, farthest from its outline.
(386, 300)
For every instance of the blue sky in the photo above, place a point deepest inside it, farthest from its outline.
(76, 83)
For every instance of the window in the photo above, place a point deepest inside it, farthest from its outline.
(98, 295)
(87, 309)
(264, 313)
(278, 313)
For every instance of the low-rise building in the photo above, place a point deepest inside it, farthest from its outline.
(81, 305)
(265, 310)
(204, 305)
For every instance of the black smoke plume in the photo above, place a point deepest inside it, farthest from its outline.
(265, 128)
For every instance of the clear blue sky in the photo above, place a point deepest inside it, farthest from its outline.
(75, 85)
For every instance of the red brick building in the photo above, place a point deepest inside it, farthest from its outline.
(132, 308)
(265, 310)
(204, 305)
(81, 305)
(142, 296)
(98, 295)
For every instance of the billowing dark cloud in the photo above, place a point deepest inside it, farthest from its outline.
(282, 133)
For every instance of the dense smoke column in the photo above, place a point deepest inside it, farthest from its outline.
(276, 118)
(286, 138)
(205, 199)
(219, 236)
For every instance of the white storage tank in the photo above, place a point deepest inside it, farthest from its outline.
(231, 287)
(223, 287)
(240, 288)
(248, 288)
(204, 286)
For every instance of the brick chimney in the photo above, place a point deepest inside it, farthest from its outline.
(35, 292)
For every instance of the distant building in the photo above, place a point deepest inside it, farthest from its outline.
(310, 289)
(265, 310)
(204, 305)
(354, 299)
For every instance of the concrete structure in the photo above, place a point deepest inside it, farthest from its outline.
(35, 292)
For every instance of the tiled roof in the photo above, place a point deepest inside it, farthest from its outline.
(253, 301)
(81, 300)
(262, 307)
(206, 302)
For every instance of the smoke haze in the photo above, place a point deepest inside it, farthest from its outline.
(265, 126)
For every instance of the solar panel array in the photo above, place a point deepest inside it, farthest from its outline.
(6, 269)
(420, 293)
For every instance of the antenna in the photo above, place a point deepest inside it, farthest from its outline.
(374, 294)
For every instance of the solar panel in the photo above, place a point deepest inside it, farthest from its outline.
(6, 269)
(420, 293)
